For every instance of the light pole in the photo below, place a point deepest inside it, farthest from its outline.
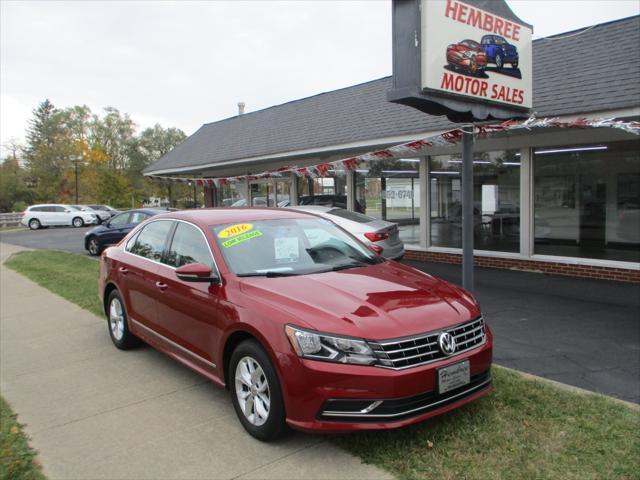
(76, 159)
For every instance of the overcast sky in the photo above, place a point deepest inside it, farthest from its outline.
(188, 63)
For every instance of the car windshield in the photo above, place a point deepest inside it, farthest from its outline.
(71, 207)
(289, 247)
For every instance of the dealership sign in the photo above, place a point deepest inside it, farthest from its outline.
(470, 60)
(470, 52)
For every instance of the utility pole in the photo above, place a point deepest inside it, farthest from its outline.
(76, 159)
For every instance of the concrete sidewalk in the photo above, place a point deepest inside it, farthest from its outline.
(95, 412)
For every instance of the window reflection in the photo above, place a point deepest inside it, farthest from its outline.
(390, 190)
(587, 201)
(496, 193)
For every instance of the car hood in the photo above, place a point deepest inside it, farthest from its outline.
(377, 302)
(96, 230)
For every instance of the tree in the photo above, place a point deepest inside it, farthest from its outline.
(152, 143)
(15, 195)
(114, 133)
(48, 152)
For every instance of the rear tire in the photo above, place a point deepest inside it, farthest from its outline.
(253, 381)
(34, 224)
(77, 222)
(499, 63)
(118, 324)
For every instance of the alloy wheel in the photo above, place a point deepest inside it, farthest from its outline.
(93, 247)
(116, 319)
(252, 391)
(78, 222)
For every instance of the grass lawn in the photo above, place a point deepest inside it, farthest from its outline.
(525, 428)
(17, 458)
(74, 277)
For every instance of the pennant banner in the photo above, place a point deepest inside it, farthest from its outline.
(415, 147)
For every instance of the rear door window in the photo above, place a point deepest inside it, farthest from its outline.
(137, 217)
(188, 246)
(118, 220)
(151, 240)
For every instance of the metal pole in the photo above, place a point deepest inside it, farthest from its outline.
(76, 164)
(467, 208)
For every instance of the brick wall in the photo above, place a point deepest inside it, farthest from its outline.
(553, 268)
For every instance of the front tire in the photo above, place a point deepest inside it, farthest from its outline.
(94, 247)
(34, 224)
(118, 323)
(499, 63)
(77, 222)
(255, 391)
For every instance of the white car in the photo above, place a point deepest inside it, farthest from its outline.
(55, 214)
(102, 215)
(383, 237)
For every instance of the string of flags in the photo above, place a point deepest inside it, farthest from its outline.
(413, 148)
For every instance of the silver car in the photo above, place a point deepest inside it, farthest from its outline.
(383, 237)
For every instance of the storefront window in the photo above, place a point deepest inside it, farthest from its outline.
(496, 208)
(330, 190)
(234, 193)
(390, 190)
(587, 201)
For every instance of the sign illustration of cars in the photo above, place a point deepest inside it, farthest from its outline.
(467, 55)
(499, 51)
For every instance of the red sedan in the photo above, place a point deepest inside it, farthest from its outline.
(299, 320)
(467, 55)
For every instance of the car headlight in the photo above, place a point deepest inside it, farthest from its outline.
(320, 346)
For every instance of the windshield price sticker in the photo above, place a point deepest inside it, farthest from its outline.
(234, 230)
(241, 238)
(286, 249)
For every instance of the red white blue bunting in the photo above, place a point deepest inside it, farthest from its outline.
(413, 148)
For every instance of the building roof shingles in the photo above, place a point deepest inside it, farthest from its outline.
(580, 72)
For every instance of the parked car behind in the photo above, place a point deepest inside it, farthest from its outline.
(383, 237)
(115, 229)
(55, 214)
(467, 55)
(499, 51)
(327, 200)
(101, 215)
(301, 322)
(106, 208)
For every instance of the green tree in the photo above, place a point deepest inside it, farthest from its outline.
(14, 192)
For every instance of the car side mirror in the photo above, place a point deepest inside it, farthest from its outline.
(66, 210)
(196, 272)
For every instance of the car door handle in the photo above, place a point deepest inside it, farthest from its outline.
(161, 286)
(123, 270)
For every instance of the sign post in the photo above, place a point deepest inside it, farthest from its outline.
(467, 208)
(469, 60)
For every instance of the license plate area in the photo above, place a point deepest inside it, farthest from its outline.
(453, 376)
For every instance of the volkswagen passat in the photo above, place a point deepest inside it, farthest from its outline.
(304, 324)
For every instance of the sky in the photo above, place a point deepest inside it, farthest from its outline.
(182, 64)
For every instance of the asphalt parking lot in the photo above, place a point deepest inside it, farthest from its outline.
(582, 332)
(67, 239)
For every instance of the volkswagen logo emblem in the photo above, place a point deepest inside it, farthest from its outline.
(447, 343)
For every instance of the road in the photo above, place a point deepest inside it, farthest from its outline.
(68, 239)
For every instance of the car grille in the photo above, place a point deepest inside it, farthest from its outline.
(344, 410)
(420, 349)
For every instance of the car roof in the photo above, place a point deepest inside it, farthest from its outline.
(216, 216)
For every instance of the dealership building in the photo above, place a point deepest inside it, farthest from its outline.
(561, 201)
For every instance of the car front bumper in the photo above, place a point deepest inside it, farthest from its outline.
(323, 396)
